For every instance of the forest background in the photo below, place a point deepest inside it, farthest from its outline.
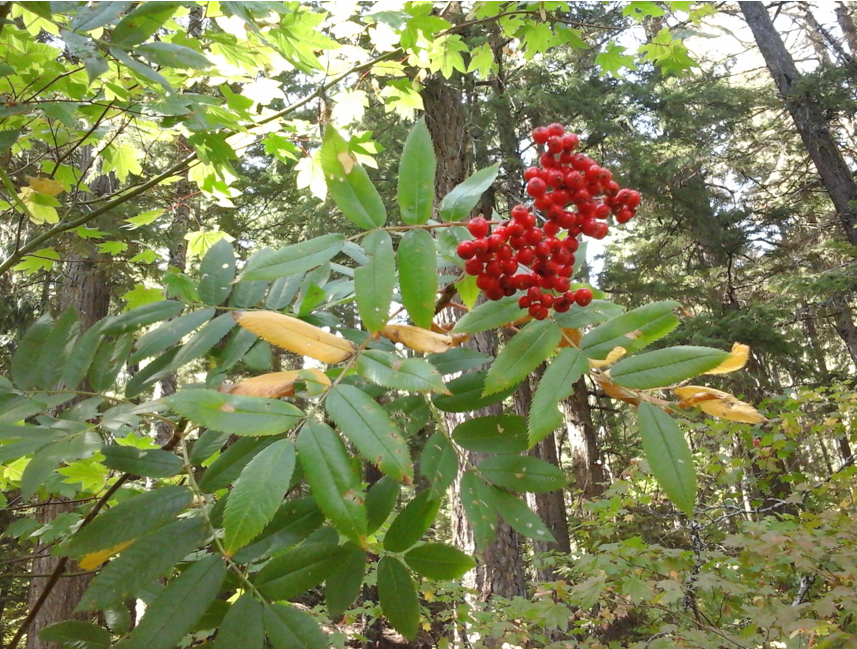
(249, 397)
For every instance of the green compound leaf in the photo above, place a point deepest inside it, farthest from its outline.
(242, 626)
(439, 561)
(521, 355)
(217, 270)
(391, 371)
(416, 177)
(521, 474)
(412, 522)
(349, 184)
(477, 498)
(519, 516)
(467, 394)
(292, 260)
(556, 385)
(668, 455)
(371, 430)
(439, 463)
(330, 472)
(295, 571)
(458, 203)
(169, 333)
(665, 367)
(76, 633)
(141, 316)
(380, 501)
(490, 315)
(374, 282)
(150, 557)
(130, 519)
(151, 463)
(257, 494)
(289, 628)
(493, 434)
(417, 259)
(343, 586)
(178, 606)
(398, 596)
(633, 330)
(238, 415)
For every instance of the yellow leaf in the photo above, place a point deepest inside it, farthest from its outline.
(718, 404)
(423, 340)
(573, 335)
(92, 561)
(617, 392)
(46, 186)
(615, 354)
(275, 384)
(737, 359)
(296, 335)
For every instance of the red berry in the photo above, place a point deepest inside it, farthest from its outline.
(533, 236)
(516, 229)
(556, 178)
(531, 172)
(571, 244)
(525, 256)
(473, 267)
(478, 227)
(594, 229)
(624, 215)
(519, 211)
(538, 312)
(542, 249)
(541, 135)
(633, 199)
(494, 268)
(561, 197)
(583, 296)
(534, 294)
(556, 129)
(581, 162)
(543, 202)
(554, 144)
(486, 282)
(502, 232)
(466, 249)
(495, 242)
(547, 300)
(524, 302)
(574, 181)
(536, 187)
(551, 228)
(528, 221)
(561, 305)
(548, 161)
(510, 266)
(495, 293)
(561, 284)
(602, 211)
(611, 188)
(481, 247)
(570, 141)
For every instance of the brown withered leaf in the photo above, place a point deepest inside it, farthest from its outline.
(572, 335)
(615, 354)
(296, 335)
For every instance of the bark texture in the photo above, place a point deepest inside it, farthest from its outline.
(583, 443)
(808, 117)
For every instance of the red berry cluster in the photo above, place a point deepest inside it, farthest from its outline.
(572, 194)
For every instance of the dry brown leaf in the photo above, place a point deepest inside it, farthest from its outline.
(718, 404)
(573, 335)
(737, 359)
(275, 384)
(296, 335)
(615, 354)
(521, 321)
(46, 185)
(422, 340)
(92, 561)
(617, 392)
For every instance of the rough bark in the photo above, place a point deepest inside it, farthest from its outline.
(583, 443)
(843, 319)
(808, 117)
(846, 24)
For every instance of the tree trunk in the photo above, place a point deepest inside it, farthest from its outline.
(500, 570)
(846, 24)
(843, 319)
(583, 441)
(808, 118)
